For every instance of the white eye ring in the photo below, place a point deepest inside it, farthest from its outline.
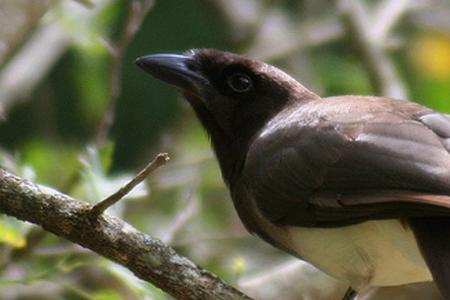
(240, 82)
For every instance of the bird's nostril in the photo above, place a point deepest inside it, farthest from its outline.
(138, 61)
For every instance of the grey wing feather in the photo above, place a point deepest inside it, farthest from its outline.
(440, 124)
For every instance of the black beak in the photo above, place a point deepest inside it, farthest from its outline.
(178, 70)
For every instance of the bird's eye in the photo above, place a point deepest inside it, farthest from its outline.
(240, 82)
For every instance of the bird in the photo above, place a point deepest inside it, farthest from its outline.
(358, 186)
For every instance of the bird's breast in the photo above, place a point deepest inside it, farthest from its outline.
(373, 253)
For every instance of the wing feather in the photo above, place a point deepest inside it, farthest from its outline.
(343, 167)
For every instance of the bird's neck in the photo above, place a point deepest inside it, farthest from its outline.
(230, 155)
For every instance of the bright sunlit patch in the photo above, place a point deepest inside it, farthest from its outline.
(11, 236)
(430, 54)
(238, 264)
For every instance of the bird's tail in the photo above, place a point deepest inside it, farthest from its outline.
(433, 237)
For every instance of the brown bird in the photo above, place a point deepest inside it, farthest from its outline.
(358, 186)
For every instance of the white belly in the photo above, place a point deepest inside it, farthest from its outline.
(373, 253)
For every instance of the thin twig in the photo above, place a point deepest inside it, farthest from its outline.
(301, 36)
(157, 162)
(386, 16)
(138, 10)
(381, 71)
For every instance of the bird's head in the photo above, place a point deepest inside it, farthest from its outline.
(232, 96)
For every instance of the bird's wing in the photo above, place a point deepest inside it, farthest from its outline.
(349, 164)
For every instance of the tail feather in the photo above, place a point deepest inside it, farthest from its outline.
(433, 237)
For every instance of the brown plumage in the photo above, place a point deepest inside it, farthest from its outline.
(355, 185)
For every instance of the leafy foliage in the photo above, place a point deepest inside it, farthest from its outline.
(50, 133)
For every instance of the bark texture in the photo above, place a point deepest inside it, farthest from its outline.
(148, 258)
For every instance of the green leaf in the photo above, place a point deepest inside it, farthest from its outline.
(86, 3)
(53, 163)
(106, 155)
(11, 233)
(106, 295)
(434, 93)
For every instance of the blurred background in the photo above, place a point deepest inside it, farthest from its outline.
(78, 116)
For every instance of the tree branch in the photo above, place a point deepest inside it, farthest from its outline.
(148, 258)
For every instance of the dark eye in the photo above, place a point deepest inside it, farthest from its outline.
(240, 82)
